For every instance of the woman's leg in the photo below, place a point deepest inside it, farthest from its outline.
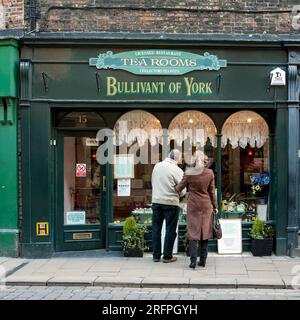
(193, 252)
(203, 252)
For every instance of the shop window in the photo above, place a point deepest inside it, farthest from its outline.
(191, 131)
(194, 130)
(137, 135)
(245, 166)
(79, 120)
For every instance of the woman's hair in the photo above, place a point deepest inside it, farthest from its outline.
(199, 160)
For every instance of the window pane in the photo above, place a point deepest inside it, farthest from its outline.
(245, 181)
(139, 201)
(81, 181)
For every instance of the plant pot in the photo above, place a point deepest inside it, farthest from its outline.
(262, 200)
(134, 252)
(263, 247)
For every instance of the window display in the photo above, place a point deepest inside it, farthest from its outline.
(245, 166)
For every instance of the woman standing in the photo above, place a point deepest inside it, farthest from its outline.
(202, 204)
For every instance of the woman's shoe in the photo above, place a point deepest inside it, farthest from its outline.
(201, 263)
(193, 265)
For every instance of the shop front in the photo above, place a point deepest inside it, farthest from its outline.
(97, 115)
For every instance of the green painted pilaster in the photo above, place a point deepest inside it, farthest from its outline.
(9, 232)
(281, 205)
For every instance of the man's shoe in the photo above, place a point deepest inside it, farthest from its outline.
(173, 259)
(193, 264)
(156, 259)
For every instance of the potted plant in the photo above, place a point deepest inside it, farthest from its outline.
(262, 238)
(134, 242)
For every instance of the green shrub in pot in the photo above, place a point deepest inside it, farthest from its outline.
(262, 238)
(134, 242)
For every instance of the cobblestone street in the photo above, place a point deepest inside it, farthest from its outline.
(109, 293)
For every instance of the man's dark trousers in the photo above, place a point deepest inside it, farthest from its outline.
(169, 213)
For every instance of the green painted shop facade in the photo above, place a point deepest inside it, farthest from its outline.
(9, 93)
(72, 87)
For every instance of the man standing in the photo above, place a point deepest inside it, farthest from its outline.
(165, 205)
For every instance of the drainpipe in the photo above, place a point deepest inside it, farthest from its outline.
(32, 14)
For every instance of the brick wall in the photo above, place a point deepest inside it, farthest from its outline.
(11, 14)
(169, 16)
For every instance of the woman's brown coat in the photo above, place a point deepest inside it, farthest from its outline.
(201, 201)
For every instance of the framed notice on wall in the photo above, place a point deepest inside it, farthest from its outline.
(231, 241)
(124, 166)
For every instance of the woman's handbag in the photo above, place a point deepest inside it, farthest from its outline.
(217, 230)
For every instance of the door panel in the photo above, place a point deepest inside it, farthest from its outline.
(79, 193)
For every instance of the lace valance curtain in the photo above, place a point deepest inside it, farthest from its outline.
(239, 129)
(245, 127)
(195, 125)
(137, 126)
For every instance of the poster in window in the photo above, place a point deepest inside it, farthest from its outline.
(124, 166)
(124, 187)
(80, 170)
(75, 217)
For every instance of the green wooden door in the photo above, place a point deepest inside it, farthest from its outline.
(80, 194)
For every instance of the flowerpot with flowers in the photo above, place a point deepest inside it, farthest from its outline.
(260, 186)
(134, 243)
(262, 238)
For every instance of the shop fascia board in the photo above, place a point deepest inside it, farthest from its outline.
(185, 39)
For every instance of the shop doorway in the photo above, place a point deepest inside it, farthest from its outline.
(80, 181)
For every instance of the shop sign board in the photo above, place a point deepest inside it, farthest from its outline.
(231, 241)
(157, 62)
(150, 71)
(91, 142)
(75, 217)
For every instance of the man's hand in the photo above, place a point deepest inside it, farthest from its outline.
(215, 211)
(181, 199)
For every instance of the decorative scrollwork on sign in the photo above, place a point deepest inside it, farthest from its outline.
(100, 64)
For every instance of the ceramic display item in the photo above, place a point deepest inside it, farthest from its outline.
(231, 206)
(224, 205)
(241, 207)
